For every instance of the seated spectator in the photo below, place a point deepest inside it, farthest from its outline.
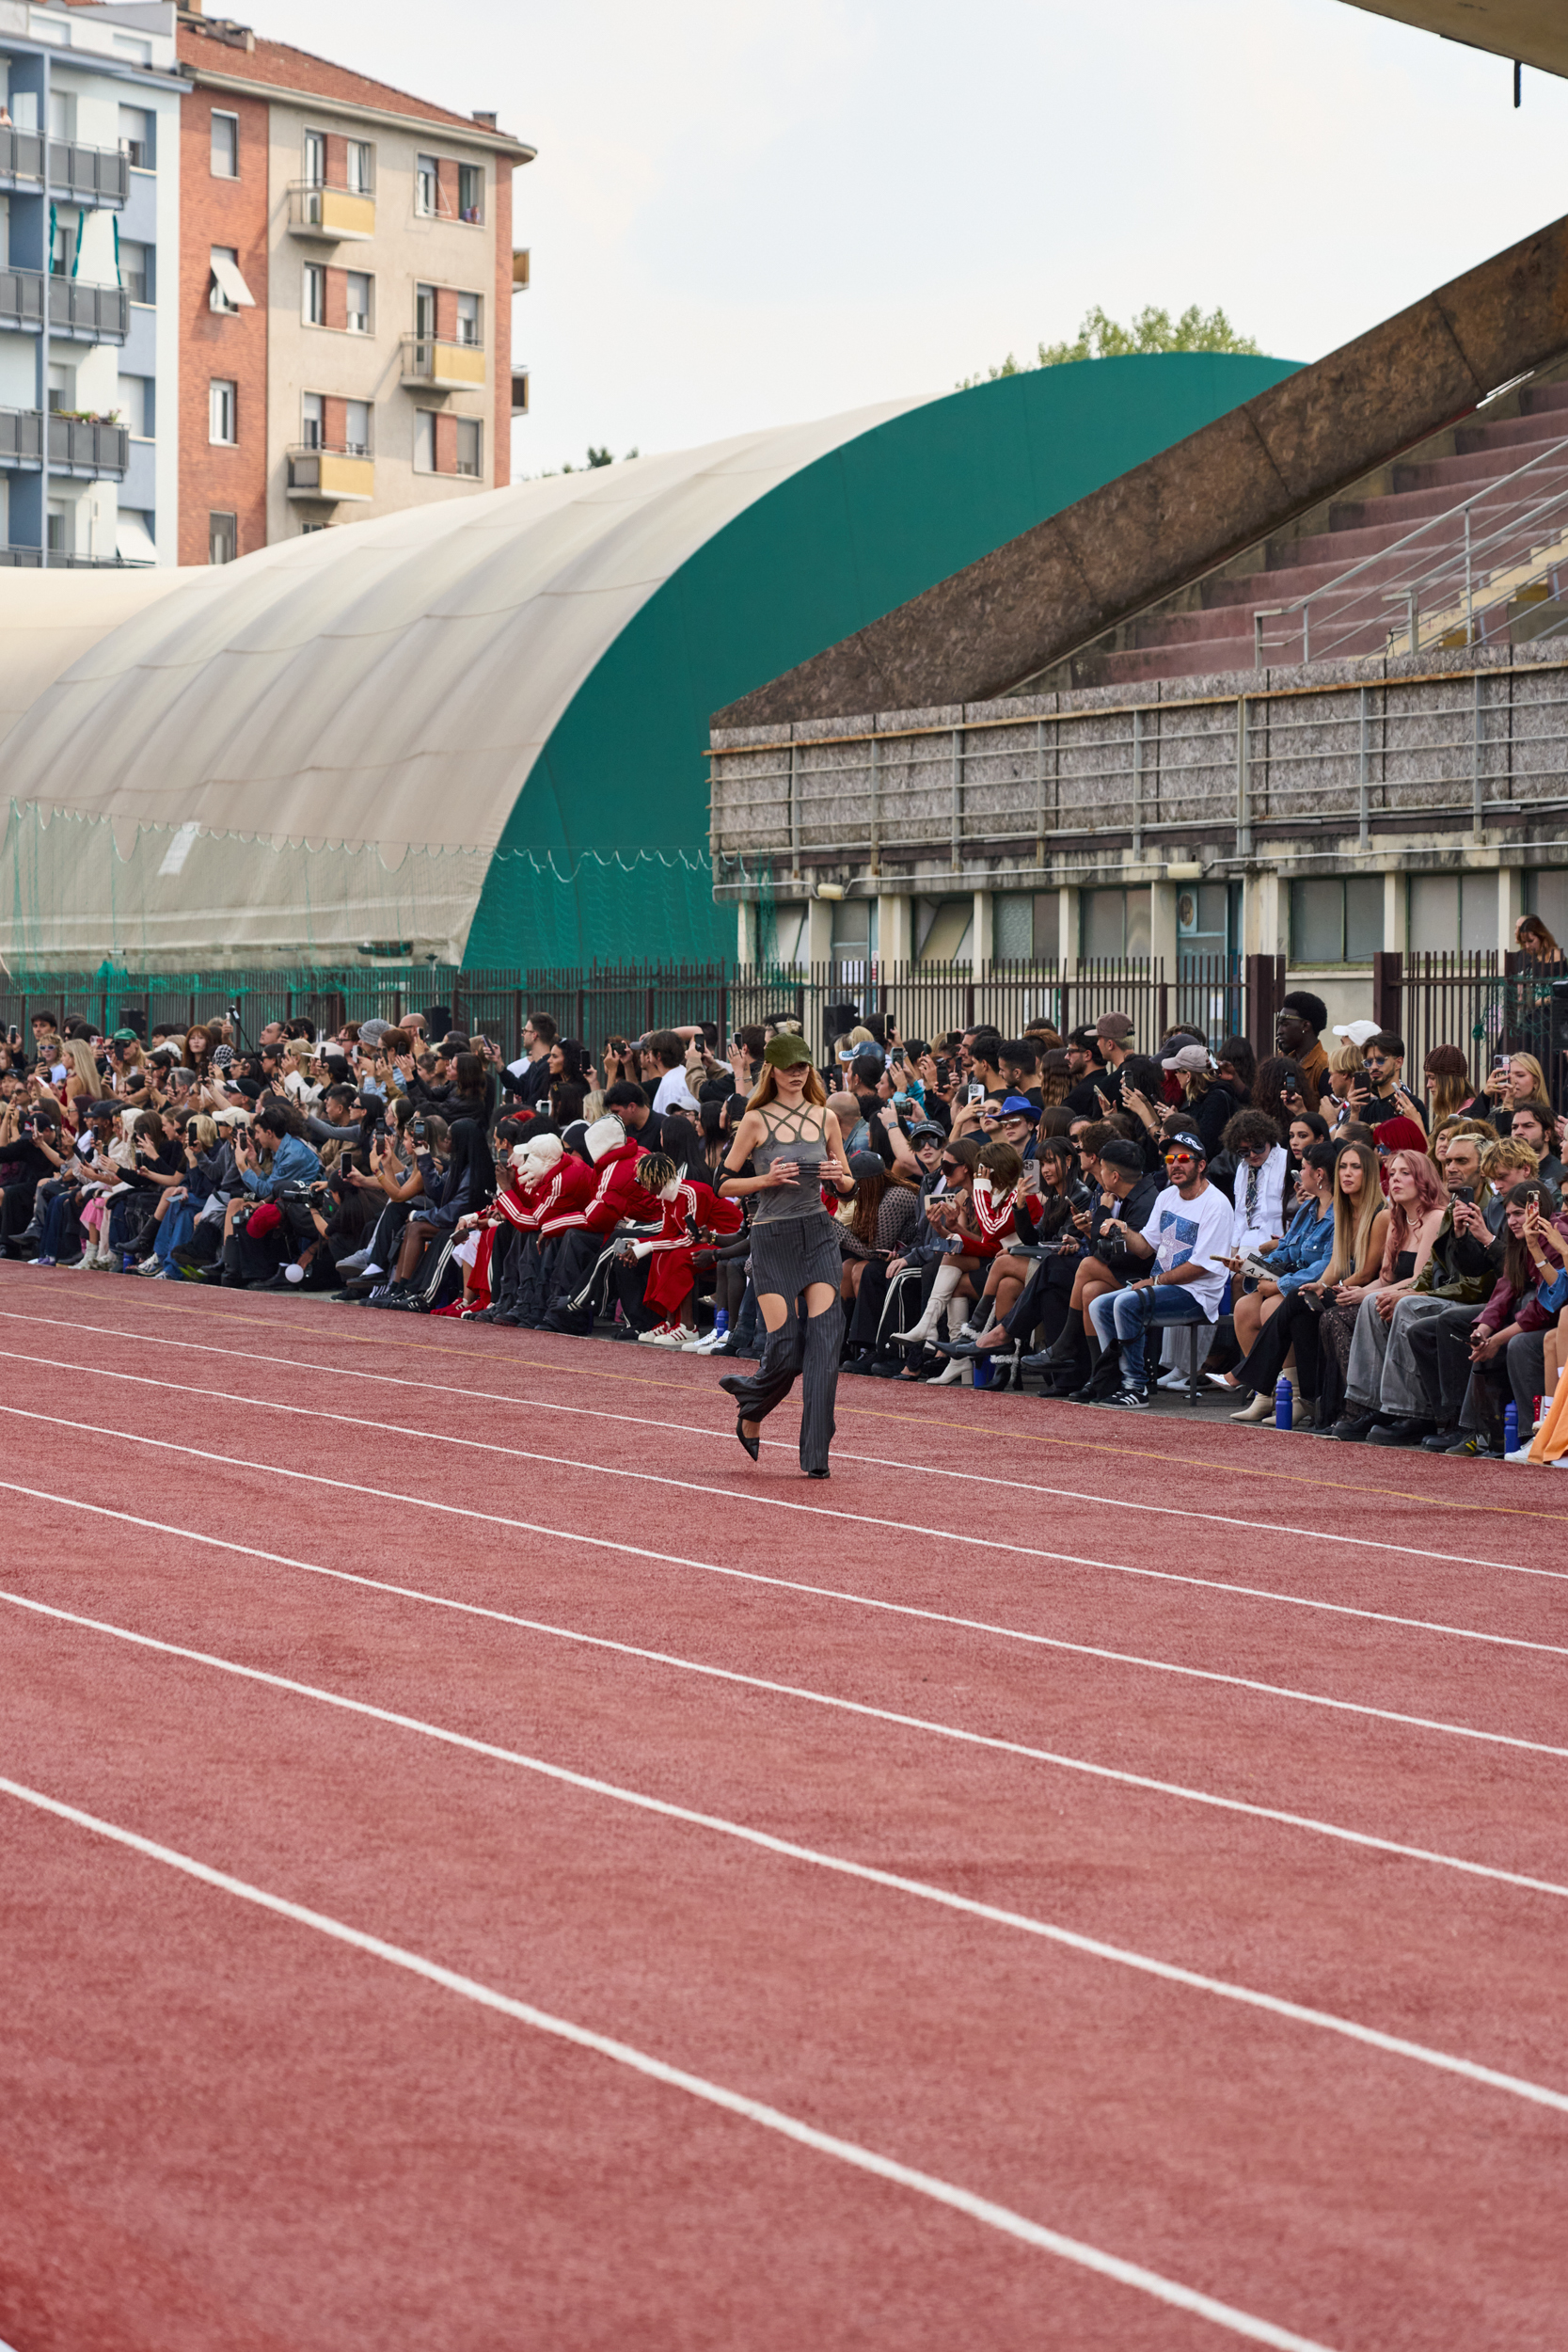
(463, 1185)
(1503, 1353)
(1295, 1264)
(1519, 1079)
(1258, 1195)
(1052, 1205)
(874, 1224)
(1531, 1123)
(1181, 1247)
(1443, 1238)
(615, 1197)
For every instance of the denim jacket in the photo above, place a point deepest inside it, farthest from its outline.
(293, 1163)
(1305, 1250)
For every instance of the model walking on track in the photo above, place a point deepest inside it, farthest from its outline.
(792, 1140)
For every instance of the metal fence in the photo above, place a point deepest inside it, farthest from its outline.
(1484, 1006)
(991, 796)
(1221, 995)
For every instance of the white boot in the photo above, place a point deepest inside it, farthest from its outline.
(948, 1279)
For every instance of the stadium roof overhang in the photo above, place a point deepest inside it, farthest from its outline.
(1533, 31)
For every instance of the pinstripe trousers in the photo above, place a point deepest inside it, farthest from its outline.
(806, 1347)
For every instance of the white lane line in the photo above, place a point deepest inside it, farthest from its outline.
(1111, 1772)
(932, 1616)
(873, 1461)
(774, 1503)
(1002, 2217)
(1093, 1947)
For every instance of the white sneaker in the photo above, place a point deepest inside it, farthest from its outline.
(1520, 1453)
(704, 1346)
(1172, 1381)
(662, 1335)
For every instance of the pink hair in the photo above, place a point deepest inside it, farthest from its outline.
(1404, 1223)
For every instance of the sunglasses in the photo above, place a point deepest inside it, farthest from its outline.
(952, 1168)
(1176, 1159)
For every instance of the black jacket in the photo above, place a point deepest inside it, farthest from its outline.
(1113, 1255)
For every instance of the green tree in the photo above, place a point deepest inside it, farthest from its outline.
(1152, 330)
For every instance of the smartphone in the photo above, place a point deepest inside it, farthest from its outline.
(976, 1091)
(1462, 1192)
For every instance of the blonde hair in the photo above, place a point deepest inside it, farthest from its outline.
(1508, 1152)
(80, 1065)
(206, 1130)
(766, 1088)
(1347, 1057)
(1527, 1062)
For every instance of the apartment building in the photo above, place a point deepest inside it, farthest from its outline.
(346, 280)
(90, 204)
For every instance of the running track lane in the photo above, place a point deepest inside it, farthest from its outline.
(955, 2047)
(955, 1823)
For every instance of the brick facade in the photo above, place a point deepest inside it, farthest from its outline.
(225, 213)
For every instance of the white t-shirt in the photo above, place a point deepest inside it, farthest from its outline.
(1192, 1233)
(672, 1090)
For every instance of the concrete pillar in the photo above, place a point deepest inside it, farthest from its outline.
(980, 938)
(1396, 904)
(1162, 926)
(1067, 925)
(745, 931)
(895, 930)
(820, 931)
(1266, 914)
(1510, 905)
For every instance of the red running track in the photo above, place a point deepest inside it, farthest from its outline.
(484, 1864)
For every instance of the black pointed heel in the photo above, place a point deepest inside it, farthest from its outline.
(752, 1445)
(816, 1473)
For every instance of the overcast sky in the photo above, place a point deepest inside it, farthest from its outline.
(747, 212)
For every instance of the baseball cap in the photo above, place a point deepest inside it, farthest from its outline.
(864, 1165)
(1358, 1032)
(1116, 1024)
(783, 1051)
(1186, 1142)
(927, 1131)
(1189, 1057)
(124, 1036)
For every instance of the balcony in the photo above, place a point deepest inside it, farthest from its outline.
(83, 447)
(84, 175)
(337, 476)
(78, 310)
(337, 215)
(430, 364)
(31, 559)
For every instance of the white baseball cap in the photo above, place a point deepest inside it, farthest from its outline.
(1359, 1032)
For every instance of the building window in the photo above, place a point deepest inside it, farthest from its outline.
(136, 400)
(135, 137)
(356, 428)
(361, 167)
(310, 420)
(1207, 922)
(425, 313)
(226, 265)
(225, 146)
(468, 319)
(138, 270)
(470, 190)
(223, 538)
(60, 530)
(1026, 927)
(314, 159)
(222, 412)
(1546, 894)
(358, 302)
(67, 236)
(1115, 925)
(1333, 921)
(312, 305)
(427, 185)
(424, 441)
(471, 446)
(1452, 910)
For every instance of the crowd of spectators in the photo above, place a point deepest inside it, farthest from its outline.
(1329, 1242)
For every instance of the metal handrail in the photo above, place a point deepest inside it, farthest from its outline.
(1518, 521)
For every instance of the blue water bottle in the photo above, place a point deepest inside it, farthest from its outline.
(720, 1321)
(983, 1368)
(1284, 1403)
(1510, 1428)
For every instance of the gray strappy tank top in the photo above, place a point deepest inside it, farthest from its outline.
(784, 1141)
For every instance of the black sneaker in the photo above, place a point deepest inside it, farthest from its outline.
(1353, 1429)
(1132, 1393)
(1440, 1441)
(1407, 1432)
(1473, 1447)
